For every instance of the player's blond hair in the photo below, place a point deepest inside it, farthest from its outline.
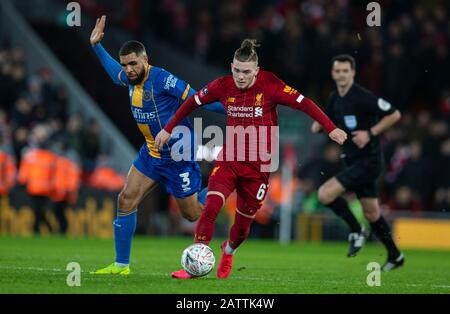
(247, 51)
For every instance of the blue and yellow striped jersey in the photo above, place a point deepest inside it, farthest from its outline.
(154, 101)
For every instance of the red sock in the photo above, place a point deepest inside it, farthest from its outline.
(204, 229)
(240, 230)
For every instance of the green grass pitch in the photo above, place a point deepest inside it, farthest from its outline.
(38, 265)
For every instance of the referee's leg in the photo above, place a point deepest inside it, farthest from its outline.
(330, 195)
(381, 229)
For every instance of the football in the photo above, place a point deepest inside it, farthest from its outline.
(198, 260)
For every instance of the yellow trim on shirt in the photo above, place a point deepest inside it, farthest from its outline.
(185, 93)
(145, 130)
(136, 99)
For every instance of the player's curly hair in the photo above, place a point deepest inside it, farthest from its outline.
(247, 51)
(133, 46)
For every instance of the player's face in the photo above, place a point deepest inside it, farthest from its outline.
(342, 73)
(134, 67)
(244, 73)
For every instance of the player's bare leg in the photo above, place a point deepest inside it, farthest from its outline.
(329, 195)
(190, 207)
(330, 191)
(382, 230)
(136, 187)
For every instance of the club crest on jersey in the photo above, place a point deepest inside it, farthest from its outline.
(231, 100)
(350, 122)
(147, 95)
(258, 99)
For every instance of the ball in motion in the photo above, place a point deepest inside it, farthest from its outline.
(198, 260)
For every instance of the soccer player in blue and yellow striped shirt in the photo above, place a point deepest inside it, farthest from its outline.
(155, 95)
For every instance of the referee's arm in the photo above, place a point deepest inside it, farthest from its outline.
(385, 123)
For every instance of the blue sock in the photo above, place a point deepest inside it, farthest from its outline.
(124, 227)
(201, 197)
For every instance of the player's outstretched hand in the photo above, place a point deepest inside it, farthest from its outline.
(338, 135)
(98, 31)
(162, 138)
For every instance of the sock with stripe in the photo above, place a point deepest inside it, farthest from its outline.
(124, 228)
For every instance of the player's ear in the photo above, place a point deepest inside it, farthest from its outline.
(256, 71)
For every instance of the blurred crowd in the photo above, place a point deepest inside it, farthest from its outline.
(405, 61)
(43, 147)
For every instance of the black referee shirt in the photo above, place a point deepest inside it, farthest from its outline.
(359, 109)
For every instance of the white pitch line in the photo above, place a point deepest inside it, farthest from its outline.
(424, 285)
(33, 268)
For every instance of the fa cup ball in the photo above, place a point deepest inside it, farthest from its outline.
(198, 260)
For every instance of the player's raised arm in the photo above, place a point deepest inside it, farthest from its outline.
(112, 67)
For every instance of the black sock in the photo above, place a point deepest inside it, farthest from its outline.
(339, 207)
(383, 233)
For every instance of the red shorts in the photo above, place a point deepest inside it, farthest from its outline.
(246, 178)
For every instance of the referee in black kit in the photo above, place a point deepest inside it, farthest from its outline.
(364, 115)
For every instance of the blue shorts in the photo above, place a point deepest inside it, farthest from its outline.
(180, 178)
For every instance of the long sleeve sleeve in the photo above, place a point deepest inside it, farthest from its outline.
(286, 95)
(186, 108)
(111, 66)
(311, 109)
(206, 95)
(178, 88)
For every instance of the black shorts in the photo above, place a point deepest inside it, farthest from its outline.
(360, 175)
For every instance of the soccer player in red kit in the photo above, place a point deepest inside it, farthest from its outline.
(250, 96)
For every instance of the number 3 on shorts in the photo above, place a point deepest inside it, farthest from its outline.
(261, 192)
(186, 180)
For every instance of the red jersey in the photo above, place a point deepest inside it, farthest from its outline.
(252, 119)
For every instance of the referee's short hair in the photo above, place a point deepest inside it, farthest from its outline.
(132, 46)
(344, 58)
